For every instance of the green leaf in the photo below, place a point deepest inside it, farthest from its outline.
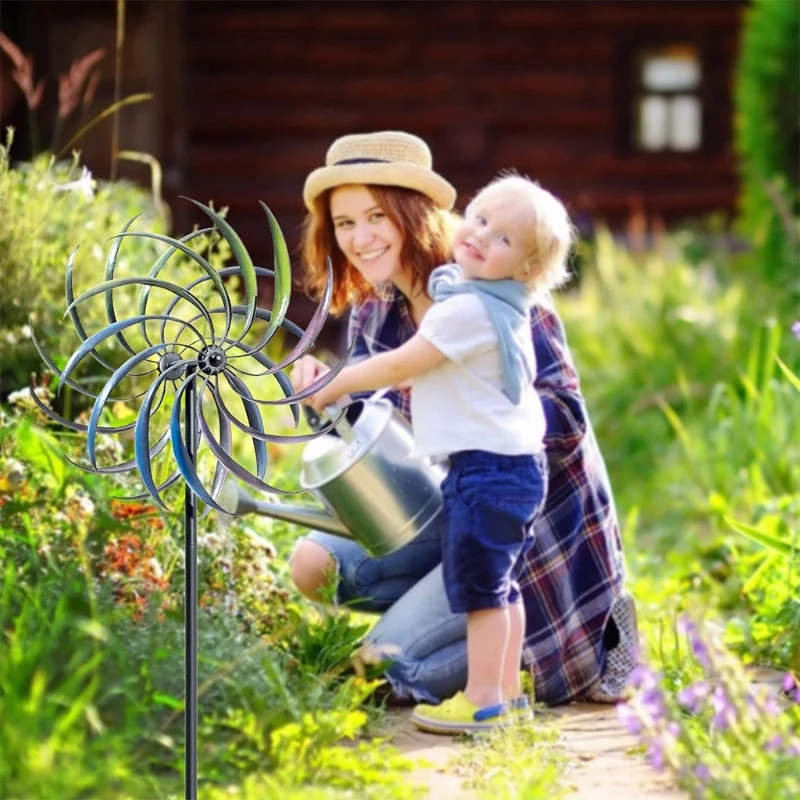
(767, 540)
(167, 700)
(126, 101)
(790, 376)
(42, 452)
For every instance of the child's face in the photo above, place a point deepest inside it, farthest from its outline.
(492, 241)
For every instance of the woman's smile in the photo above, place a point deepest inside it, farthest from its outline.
(373, 255)
(365, 234)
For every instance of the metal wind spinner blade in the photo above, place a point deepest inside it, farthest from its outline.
(203, 360)
(200, 355)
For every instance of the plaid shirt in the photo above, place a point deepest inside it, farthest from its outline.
(575, 570)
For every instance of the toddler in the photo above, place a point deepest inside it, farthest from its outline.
(473, 404)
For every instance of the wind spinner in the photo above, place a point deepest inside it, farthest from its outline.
(190, 365)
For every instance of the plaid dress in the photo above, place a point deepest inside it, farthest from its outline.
(574, 572)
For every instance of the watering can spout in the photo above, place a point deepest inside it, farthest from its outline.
(237, 501)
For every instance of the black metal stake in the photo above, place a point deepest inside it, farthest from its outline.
(190, 602)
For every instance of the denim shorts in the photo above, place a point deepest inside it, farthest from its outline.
(490, 503)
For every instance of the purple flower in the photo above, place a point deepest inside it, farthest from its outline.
(673, 729)
(699, 647)
(643, 677)
(700, 650)
(627, 716)
(693, 697)
(789, 681)
(796, 329)
(774, 744)
(655, 754)
(794, 748)
(797, 696)
(652, 702)
(724, 710)
(685, 625)
(703, 773)
(771, 705)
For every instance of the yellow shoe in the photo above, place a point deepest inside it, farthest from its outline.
(458, 715)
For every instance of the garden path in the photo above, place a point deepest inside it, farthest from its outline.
(596, 744)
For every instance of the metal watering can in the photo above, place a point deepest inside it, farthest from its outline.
(372, 489)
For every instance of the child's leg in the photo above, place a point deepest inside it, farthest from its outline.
(488, 633)
(512, 663)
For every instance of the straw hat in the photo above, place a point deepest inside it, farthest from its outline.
(387, 158)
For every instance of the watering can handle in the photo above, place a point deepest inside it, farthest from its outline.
(343, 428)
(314, 420)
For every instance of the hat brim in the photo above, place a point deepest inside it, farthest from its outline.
(406, 176)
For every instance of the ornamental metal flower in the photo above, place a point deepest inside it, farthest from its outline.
(193, 362)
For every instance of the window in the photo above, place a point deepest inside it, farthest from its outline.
(668, 112)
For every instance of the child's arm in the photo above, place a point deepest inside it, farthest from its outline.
(413, 358)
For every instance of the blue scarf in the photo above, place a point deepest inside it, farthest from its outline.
(508, 304)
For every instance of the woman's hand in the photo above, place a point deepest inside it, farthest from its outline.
(306, 371)
(326, 396)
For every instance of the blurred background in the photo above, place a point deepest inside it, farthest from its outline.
(672, 132)
(621, 108)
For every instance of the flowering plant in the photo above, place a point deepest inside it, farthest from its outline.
(721, 736)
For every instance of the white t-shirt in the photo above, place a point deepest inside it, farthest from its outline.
(459, 404)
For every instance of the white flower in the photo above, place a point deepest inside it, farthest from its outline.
(81, 503)
(25, 330)
(109, 446)
(15, 470)
(85, 185)
(156, 568)
(22, 397)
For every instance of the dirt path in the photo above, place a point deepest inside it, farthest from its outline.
(597, 746)
(593, 739)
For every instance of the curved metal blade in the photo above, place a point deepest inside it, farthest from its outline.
(220, 472)
(236, 469)
(141, 437)
(105, 392)
(173, 478)
(50, 364)
(107, 332)
(260, 434)
(314, 327)
(283, 274)
(124, 466)
(314, 387)
(156, 268)
(182, 294)
(253, 415)
(180, 451)
(242, 258)
(111, 265)
(75, 317)
(197, 258)
(74, 426)
(262, 314)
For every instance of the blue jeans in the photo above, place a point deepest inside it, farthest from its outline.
(407, 587)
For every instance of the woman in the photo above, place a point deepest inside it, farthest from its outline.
(382, 214)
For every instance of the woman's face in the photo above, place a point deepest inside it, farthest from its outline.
(370, 241)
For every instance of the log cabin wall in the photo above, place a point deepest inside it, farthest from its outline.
(248, 96)
(543, 87)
